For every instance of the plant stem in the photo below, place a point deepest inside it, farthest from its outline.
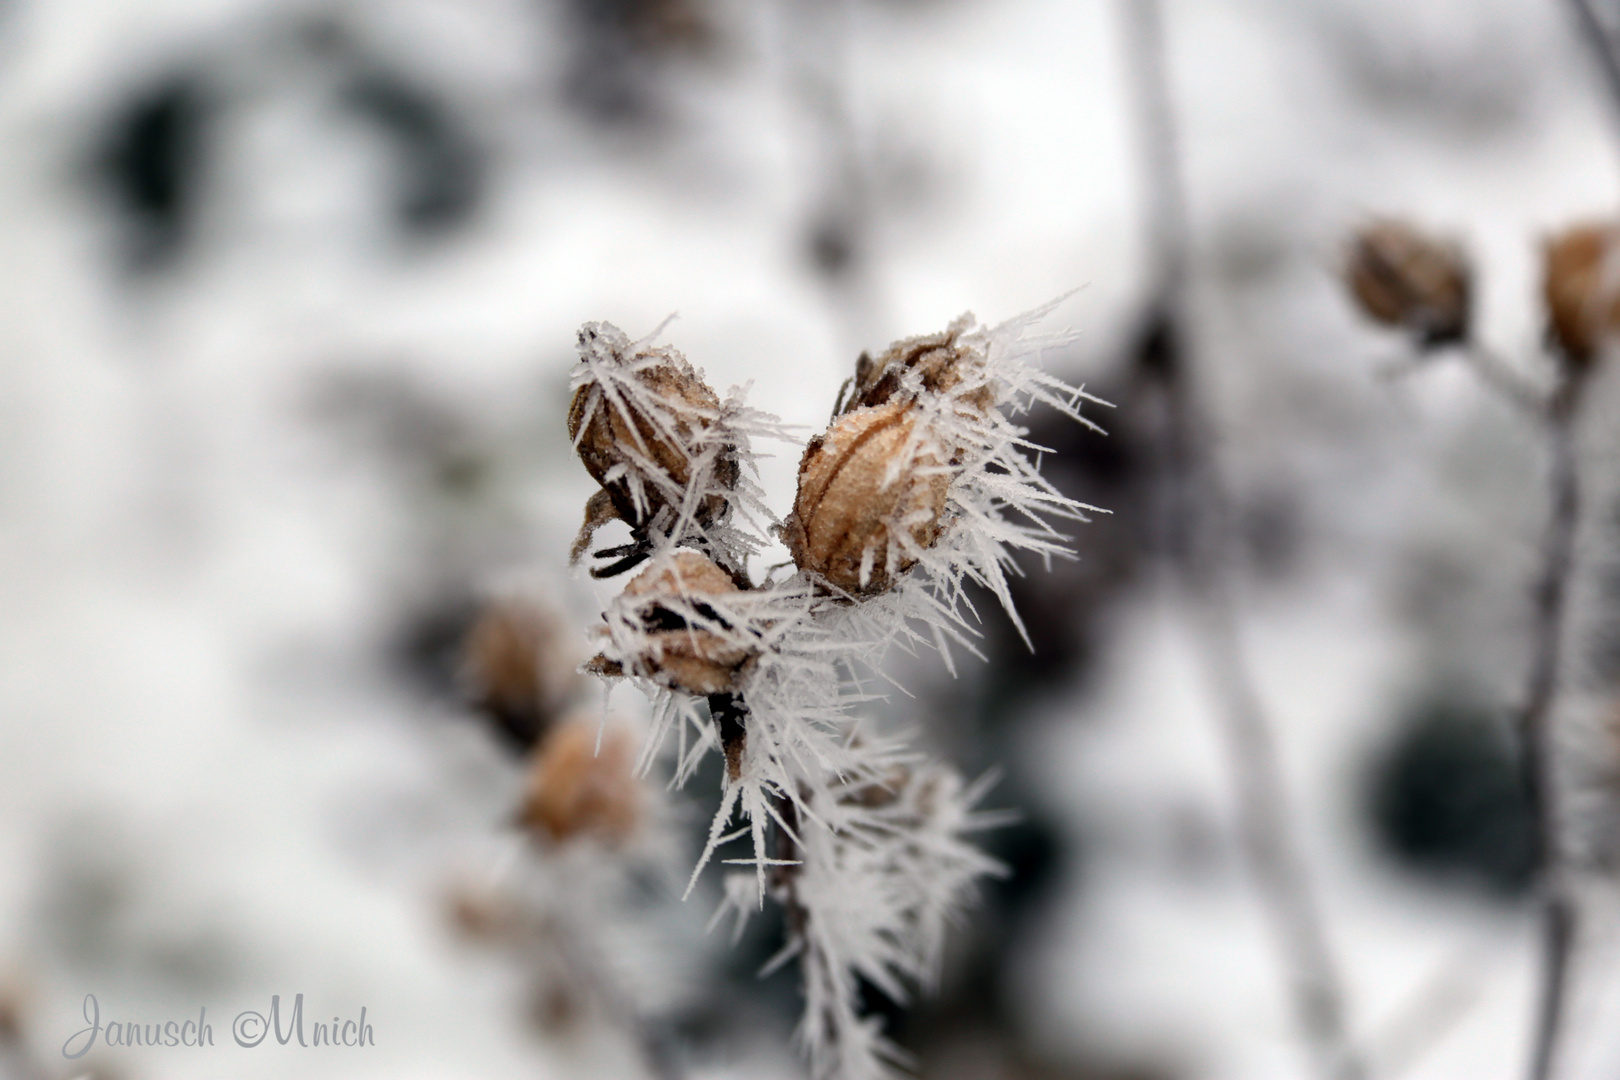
(1201, 535)
(1198, 539)
(1598, 37)
(1538, 748)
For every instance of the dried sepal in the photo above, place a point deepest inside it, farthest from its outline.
(577, 790)
(872, 493)
(1403, 278)
(1581, 287)
(671, 625)
(645, 425)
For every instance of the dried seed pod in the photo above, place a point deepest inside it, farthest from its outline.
(869, 495)
(517, 669)
(640, 420)
(1403, 278)
(681, 640)
(576, 791)
(942, 363)
(1581, 284)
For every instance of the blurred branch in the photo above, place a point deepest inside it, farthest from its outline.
(1497, 374)
(1538, 745)
(1200, 540)
(1430, 1012)
(819, 47)
(1505, 379)
(1597, 36)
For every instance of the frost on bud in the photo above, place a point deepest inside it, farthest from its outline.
(575, 790)
(672, 627)
(941, 363)
(871, 497)
(642, 419)
(1581, 283)
(516, 669)
(1405, 279)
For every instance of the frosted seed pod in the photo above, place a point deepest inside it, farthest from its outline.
(574, 790)
(936, 363)
(638, 420)
(869, 497)
(1402, 278)
(1581, 285)
(680, 639)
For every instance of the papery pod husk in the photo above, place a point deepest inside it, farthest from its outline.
(853, 495)
(942, 362)
(674, 653)
(1403, 278)
(617, 439)
(1581, 287)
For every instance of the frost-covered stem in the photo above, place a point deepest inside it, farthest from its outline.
(1198, 521)
(1537, 736)
(787, 870)
(1593, 30)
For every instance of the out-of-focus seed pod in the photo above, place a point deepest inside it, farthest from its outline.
(684, 642)
(517, 669)
(1581, 285)
(863, 485)
(637, 433)
(11, 1014)
(943, 365)
(1402, 278)
(576, 791)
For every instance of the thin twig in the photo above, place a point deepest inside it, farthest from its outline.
(1505, 379)
(1538, 749)
(1597, 36)
(1199, 524)
(1432, 1011)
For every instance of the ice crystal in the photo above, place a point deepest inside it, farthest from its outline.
(863, 842)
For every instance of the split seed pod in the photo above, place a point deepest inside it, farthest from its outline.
(1402, 278)
(641, 419)
(574, 790)
(942, 364)
(869, 497)
(680, 638)
(1581, 284)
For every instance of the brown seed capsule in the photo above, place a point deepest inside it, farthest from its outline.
(637, 433)
(576, 791)
(516, 667)
(856, 499)
(683, 641)
(1581, 284)
(1403, 278)
(941, 361)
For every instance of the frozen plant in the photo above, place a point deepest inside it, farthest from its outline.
(568, 899)
(923, 483)
(1402, 277)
